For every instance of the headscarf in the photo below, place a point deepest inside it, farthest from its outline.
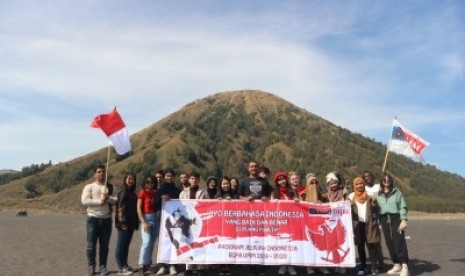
(359, 196)
(337, 195)
(312, 190)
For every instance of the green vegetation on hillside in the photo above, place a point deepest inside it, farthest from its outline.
(218, 135)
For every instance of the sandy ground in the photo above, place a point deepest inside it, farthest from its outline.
(54, 244)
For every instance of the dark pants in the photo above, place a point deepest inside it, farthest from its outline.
(395, 241)
(122, 247)
(362, 240)
(98, 229)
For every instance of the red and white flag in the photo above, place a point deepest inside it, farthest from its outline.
(405, 142)
(115, 129)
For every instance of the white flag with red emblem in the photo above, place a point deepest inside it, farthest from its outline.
(405, 142)
(115, 129)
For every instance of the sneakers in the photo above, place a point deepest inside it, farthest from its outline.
(310, 270)
(161, 271)
(325, 271)
(282, 270)
(374, 270)
(342, 270)
(291, 270)
(173, 270)
(124, 271)
(103, 270)
(90, 270)
(395, 269)
(145, 269)
(404, 270)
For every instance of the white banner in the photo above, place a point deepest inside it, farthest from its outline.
(269, 233)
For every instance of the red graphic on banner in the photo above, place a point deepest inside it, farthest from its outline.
(330, 240)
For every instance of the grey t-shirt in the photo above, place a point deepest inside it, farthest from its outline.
(257, 187)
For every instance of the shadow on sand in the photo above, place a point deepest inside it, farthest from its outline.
(418, 267)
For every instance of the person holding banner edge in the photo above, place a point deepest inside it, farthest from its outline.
(193, 192)
(253, 188)
(283, 191)
(166, 191)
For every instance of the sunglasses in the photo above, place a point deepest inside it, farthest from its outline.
(313, 182)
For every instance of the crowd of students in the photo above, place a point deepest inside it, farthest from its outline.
(375, 208)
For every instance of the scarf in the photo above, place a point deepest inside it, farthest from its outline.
(285, 192)
(359, 196)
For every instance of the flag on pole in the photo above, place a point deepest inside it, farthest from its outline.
(115, 129)
(405, 142)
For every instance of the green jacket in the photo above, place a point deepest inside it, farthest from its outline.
(392, 203)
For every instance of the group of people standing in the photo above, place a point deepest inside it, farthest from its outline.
(375, 208)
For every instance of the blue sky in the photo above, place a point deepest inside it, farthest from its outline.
(355, 63)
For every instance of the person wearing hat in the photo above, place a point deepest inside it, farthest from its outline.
(314, 194)
(166, 191)
(313, 190)
(336, 192)
(283, 191)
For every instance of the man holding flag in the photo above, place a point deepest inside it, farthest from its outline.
(99, 195)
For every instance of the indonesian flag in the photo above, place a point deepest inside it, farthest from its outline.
(405, 142)
(113, 126)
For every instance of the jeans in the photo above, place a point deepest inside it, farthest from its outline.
(149, 238)
(122, 247)
(98, 229)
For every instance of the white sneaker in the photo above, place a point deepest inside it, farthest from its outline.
(310, 270)
(161, 271)
(282, 270)
(291, 270)
(395, 269)
(173, 270)
(324, 270)
(404, 270)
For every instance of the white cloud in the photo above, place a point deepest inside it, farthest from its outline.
(355, 64)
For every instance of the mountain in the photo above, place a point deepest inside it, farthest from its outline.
(219, 134)
(7, 171)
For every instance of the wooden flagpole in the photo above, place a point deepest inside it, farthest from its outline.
(106, 170)
(387, 149)
(385, 158)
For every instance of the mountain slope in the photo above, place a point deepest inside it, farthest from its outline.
(219, 134)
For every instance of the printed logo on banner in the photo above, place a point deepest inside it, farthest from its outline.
(328, 233)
